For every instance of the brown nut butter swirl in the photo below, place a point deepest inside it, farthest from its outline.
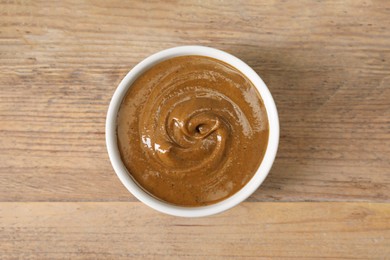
(192, 130)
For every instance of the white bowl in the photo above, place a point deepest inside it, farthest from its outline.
(125, 177)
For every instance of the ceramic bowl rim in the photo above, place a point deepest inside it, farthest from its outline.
(164, 207)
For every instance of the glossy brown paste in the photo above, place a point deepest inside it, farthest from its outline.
(192, 130)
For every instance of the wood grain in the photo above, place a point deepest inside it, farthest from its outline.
(120, 230)
(327, 63)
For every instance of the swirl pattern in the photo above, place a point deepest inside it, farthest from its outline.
(201, 128)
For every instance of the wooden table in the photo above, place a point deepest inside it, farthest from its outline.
(327, 64)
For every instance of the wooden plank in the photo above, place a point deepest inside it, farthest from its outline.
(118, 230)
(327, 64)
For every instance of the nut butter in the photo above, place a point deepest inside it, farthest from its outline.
(192, 130)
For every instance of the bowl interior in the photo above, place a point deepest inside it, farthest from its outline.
(145, 197)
